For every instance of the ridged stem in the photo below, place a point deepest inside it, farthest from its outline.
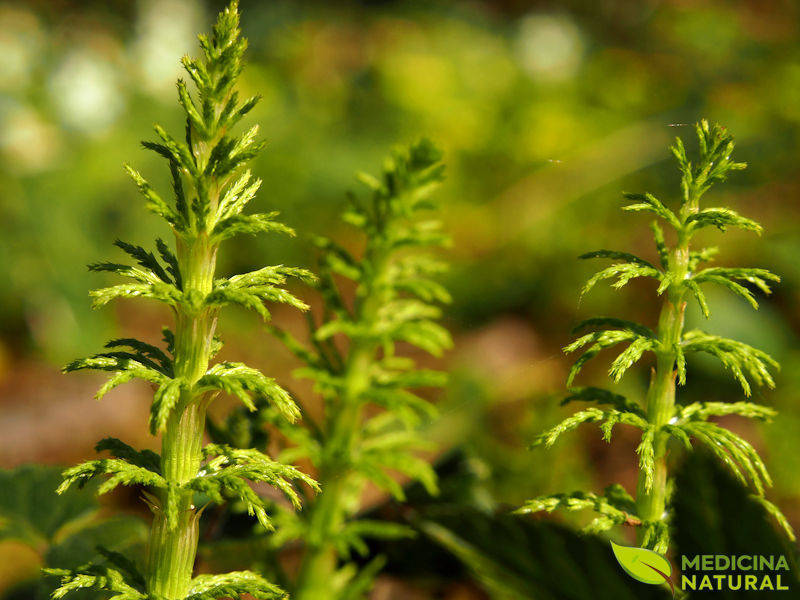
(171, 551)
(651, 500)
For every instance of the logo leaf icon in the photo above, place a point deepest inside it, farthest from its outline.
(643, 565)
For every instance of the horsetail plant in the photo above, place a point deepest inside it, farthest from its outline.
(353, 361)
(211, 190)
(680, 277)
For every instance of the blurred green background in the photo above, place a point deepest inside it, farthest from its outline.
(546, 111)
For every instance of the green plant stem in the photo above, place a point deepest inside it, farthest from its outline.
(680, 276)
(210, 189)
(652, 501)
(327, 513)
(172, 551)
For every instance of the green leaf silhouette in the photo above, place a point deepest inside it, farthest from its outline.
(642, 564)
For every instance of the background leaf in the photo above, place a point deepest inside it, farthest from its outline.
(714, 514)
(64, 530)
(30, 510)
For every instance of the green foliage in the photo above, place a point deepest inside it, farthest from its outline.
(657, 416)
(395, 298)
(741, 360)
(104, 578)
(244, 382)
(210, 192)
(65, 530)
(120, 472)
(228, 471)
(614, 507)
(352, 359)
(642, 340)
(733, 451)
(606, 417)
(629, 267)
(601, 396)
(233, 585)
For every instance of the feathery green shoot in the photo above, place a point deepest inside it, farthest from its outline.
(352, 358)
(680, 279)
(211, 190)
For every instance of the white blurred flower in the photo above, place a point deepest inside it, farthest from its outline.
(550, 47)
(85, 91)
(165, 31)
